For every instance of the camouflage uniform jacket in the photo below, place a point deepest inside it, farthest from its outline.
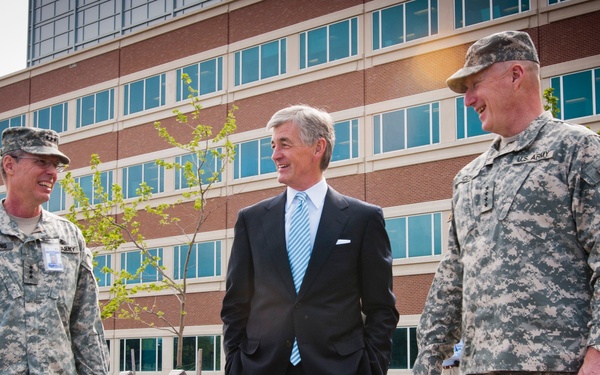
(518, 282)
(49, 321)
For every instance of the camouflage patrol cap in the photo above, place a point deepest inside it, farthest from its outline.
(503, 46)
(32, 140)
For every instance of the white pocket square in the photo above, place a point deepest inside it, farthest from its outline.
(342, 242)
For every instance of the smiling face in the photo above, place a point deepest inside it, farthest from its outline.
(28, 183)
(298, 165)
(490, 93)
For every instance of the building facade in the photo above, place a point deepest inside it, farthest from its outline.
(379, 67)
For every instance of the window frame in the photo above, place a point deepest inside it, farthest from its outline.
(144, 277)
(96, 99)
(379, 21)
(57, 117)
(240, 63)
(312, 38)
(402, 236)
(566, 102)
(160, 177)
(404, 129)
(199, 250)
(198, 84)
(145, 85)
(261, 161)
(460, 20)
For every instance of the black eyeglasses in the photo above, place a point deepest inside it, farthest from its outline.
(44, 163)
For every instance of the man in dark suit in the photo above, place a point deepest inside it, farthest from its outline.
(338, 318)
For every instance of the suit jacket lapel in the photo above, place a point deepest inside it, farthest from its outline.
(273, 226)
(332, 222)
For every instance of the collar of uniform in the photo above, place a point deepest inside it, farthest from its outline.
(524, 140)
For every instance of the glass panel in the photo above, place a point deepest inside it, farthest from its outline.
(208, 76)
(206, 259)
(396, 229)
(556, 84)
(377, 141)
(188, 351)
(399, 349)
(209, 354)
(417, 19)
(248, 157)
(250, 65)
(87, 110)
(502, 8)
(597, 90)
(376, 29)
(132, 178)
(341, 150)
(418, 126)
(149, 355)
(419, 236)
(152, 92)
(103, 106)
(136, 97)
(42, 118)
(393, 131)
(476, 11)
(339, 41)
(392, 26)
(437, 234)
(269, 60)
(125, 358)
(151, 176)
(317, 46)
(577, 91)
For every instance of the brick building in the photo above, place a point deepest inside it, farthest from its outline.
(379, 67)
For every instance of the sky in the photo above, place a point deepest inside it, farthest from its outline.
(13, 36)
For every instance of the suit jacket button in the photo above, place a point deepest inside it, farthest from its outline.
(298, 305)
(289, 343)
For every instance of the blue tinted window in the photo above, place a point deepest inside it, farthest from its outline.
(54, 118)
(396, 229)
(415, 19)
(207, 165)
(147, 351)
(471, 12)
(329, 43)
(415, 236)
(577, 93)
(95, 108)
(145, 94)
(150, 173)
(87, 185)
(346, 140)
(260, 62)
(132, 261)
(204, 260)
(404, 348)
(211, 352)
(101, 261)
(406, 128)
(253, 158)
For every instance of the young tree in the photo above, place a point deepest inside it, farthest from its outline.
(109, 221)
(551, 102)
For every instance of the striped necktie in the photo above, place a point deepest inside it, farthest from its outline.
(299, 249)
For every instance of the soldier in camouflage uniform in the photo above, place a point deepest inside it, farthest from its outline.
(518, 282)
(49, 314)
